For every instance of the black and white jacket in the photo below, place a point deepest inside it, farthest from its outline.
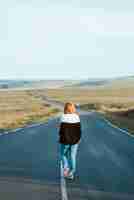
(70, 128)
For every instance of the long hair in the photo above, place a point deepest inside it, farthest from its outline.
(69, 108)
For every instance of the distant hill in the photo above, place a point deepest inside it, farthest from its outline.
(7, 84)
(34, 84)
(120, 82)
(92, 83)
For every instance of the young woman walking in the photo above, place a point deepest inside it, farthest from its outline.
(70, 135)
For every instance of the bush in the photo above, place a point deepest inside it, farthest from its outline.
(91, 106)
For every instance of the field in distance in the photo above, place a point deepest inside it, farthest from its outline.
(34, 84)
(115, 101)
(20, 105)
(19, 108)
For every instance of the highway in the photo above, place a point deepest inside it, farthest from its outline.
(30, 167)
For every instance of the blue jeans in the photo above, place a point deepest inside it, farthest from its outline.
(68, 156)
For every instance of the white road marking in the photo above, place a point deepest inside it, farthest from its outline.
(63, 184)
(116, 127)
(22, 128)
(28, 126)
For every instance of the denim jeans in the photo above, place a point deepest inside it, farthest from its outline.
(68, 156)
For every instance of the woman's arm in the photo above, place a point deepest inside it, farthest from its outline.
(58, 122)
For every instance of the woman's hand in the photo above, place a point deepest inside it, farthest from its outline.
(57, 125)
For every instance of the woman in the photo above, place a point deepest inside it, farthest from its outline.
(70, 134)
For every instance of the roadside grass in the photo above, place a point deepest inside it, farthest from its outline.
(116, 104)
(120, 96)
(121, 121)
(20, 108)
(118, 115)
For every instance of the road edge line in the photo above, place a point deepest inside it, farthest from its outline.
(116, 127)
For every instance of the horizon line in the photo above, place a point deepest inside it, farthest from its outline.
(63, 79)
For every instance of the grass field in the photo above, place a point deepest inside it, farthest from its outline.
(121, 120)
(122, 97)
(116, 104)
(19, 108)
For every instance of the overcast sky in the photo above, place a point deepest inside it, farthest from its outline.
(62, 39)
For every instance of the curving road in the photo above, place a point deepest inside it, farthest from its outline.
(29, 167)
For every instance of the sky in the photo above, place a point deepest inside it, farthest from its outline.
(66, 39)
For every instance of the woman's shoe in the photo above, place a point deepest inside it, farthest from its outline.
(70, 176)
(66, 172)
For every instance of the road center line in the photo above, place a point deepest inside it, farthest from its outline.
(63, 184)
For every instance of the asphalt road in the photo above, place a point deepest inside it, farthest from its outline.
(29, 163)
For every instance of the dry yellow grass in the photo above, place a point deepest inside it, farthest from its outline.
(110, 102)
(124, 97)
(18, 108)
(121, 121)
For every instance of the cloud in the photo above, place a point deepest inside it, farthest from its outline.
(47, 36)
(109, 23)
